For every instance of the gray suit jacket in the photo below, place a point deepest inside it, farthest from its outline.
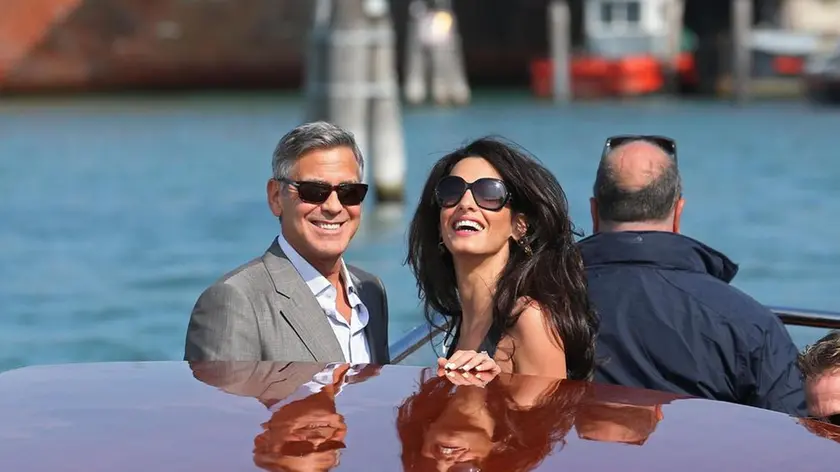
(263, 310)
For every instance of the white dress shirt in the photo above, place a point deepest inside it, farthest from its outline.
(351, 336)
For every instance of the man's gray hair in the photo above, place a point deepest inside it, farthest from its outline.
(308, 137)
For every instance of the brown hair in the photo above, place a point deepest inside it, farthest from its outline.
(821, 357)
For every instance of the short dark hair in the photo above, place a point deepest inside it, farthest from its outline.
(821, 357)
(553, 275)
(651, 203)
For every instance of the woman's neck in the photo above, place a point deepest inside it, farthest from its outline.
(477, 278)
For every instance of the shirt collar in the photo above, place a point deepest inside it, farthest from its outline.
(316, 282)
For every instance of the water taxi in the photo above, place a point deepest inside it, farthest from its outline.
(179, 416)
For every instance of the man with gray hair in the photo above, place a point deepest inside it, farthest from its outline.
(670, 321)
(299, 301)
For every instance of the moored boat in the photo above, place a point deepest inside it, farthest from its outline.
(821, 78)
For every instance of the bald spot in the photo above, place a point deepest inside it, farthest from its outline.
(635, 165)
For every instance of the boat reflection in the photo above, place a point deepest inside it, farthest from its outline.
(509, 425)
(305, 431)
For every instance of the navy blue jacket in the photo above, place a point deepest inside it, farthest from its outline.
(670, 321)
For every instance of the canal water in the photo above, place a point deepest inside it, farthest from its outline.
(115, 213)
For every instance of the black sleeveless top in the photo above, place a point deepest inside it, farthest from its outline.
(494, 335)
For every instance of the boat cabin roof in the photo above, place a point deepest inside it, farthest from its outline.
(223, 416)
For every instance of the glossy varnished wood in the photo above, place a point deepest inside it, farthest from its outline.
(251, 416)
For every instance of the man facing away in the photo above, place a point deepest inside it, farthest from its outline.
(299, 301)
(670, 320)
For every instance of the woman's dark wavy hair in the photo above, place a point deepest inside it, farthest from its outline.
(553, 275)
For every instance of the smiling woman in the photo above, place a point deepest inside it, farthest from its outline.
(491, 245)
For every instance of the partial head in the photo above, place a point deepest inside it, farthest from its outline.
(316, 190)
(638, 186)
(820, 365)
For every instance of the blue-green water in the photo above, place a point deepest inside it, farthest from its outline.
(116, 213)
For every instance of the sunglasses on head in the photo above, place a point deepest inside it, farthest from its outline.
(489, 194)
(349, 194)
(304, 448)
(830, 419)
(662, 142)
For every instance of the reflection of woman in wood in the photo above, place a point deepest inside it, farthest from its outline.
(508, 426)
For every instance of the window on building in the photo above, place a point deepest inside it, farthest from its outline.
(621, 14)
(633, 12)
(606, 12)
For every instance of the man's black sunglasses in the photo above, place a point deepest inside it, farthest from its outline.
(349, 194)
(490, 194)
(663, 142)
(830, 419)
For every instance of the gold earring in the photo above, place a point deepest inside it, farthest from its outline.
(525, 247)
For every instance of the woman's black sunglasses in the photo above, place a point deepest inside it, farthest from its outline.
(349, 194)
(489, 194)
(663, 142)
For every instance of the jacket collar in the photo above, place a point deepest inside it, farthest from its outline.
(656, 248)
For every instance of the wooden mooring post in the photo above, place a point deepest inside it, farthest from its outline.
(434, 63)
(559, 28)
(742, 16)
(674, 14)
(351, 81)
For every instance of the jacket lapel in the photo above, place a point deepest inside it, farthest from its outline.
(300, 308)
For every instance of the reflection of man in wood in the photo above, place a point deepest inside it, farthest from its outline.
(619, 415)
(305, 431)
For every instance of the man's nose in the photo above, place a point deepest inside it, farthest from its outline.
(332, 205)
